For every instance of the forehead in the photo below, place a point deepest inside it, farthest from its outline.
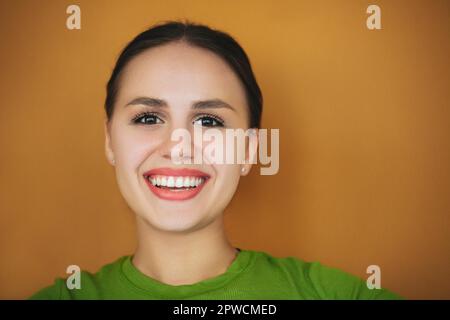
(178, 72)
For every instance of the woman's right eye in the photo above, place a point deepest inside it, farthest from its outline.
(147, 119)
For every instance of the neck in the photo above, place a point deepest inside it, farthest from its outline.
(177, 258)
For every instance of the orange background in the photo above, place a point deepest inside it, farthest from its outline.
(364, 125)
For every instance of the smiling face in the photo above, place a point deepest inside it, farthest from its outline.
(165, 88)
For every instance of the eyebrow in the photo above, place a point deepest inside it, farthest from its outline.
(201, 104)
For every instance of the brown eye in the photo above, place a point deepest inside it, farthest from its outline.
(208, 121)
(147, 119)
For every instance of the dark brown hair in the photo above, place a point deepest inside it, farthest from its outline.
(198, 35)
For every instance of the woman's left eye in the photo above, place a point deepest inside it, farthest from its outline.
(208, 121)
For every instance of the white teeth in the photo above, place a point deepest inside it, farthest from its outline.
(176, 182)
(179, 182)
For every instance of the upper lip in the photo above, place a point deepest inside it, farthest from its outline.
(181, 172)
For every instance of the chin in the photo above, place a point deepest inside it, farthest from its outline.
(177, 220)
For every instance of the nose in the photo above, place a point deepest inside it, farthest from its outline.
(178, 145)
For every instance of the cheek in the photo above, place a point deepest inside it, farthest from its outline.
(224, 149)
(227, 178)
(133, 146)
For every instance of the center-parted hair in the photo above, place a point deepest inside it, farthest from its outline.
(200, 36)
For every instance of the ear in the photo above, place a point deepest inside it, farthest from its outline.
(108, 150)
(250, 151)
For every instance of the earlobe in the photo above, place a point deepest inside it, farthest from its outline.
(108, 151)
(251, 151)
(245, 169)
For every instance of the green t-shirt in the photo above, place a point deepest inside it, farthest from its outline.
(252, 275)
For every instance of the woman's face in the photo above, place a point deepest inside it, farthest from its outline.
(176, 77)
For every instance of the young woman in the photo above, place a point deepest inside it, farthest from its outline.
(184, 75)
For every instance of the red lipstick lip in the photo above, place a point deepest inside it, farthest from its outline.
(167, 194)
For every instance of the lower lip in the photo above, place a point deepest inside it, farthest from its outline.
(167, 194)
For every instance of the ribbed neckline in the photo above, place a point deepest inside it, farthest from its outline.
(152, 287)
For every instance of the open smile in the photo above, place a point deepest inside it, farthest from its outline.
(175, 184)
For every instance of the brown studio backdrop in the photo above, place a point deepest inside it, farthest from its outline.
(363, 118)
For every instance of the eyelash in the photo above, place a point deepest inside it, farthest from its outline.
(141, 115)
(216, 118)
